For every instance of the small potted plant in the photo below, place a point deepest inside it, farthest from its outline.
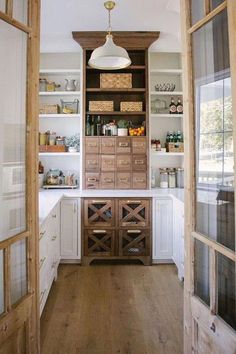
(122, 127)
(72, 143)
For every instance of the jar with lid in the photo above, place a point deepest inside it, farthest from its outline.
(172, 179)
(153, 178)
(180, 177)
(42, 84)
(163, 178)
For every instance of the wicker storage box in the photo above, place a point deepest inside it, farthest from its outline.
(175, 147)
(131, 106)
(52, 148)
(99, 106)
(116, 80)
(49, 109)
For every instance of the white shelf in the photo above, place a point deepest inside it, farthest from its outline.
(60, 93)
(167, 71)
(166, 115)
(60, 71)
(59, 116)
(161, 153)
(59, 154)
(167, 93)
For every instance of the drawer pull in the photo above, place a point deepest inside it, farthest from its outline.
(91, 179)
(42, 234)
(54, 238)
(99, 232)
(133, 201)
(139, 144)
(124, 162)
(108, 144)
(138, 162)
(92, 144)
(139, 180)
(109, 163)
(92, 162)
(42, 295)
(123, 144)
(41, 262)
(54, 216)
(123, 179)
(99, 201)
(133, 231)
(108, 180)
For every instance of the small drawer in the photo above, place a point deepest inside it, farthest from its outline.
(134, 213)
(92, 145)
(123, 180)
(99, 213)
(139, 146)
(108, 163)
(139, 180)
(139, 163)
(108, 146)
(123, 145)
(92, 163)
(99, 242)
(91, 180)
(134, 242)
(123, 162)
(107, 180)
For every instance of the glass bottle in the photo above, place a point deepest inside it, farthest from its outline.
(92, 131)
(88, 126)
(98, 126)
(179, 107)
(172, 106)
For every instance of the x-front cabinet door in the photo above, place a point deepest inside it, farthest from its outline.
(209, 42)
(19, 52)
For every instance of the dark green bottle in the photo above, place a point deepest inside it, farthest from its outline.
(88, 126)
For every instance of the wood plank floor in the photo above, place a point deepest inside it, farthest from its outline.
(108, 309)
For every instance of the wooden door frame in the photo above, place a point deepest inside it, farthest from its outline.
(27, 310)
(189, 130)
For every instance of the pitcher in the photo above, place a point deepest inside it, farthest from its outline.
(71, 84)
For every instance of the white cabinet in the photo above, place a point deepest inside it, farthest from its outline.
(162, 230)
(178, 237)
(70, 229)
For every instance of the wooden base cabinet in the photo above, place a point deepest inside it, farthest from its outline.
(116, 228)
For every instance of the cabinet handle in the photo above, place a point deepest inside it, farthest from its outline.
(99, 231)
(92, 162)
(41, 262)
(99, 201)
(108, 180)
(139, 180)
(42, 295)
(138, 144)
(123, 179)
(92, 179)
(108, 144)
(54, 238)
(123, 144)
(124, 162)
(138, 162)
(133, 201)
(54, 216)
(133, 231)
(42, 234)
(109, 163)
(92, 144)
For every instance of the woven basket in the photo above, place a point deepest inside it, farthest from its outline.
(49, 109)
(116, 80)
(131, 106)
(52, 148)
(175, 147)
(99, 106)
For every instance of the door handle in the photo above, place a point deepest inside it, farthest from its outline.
(213, 327)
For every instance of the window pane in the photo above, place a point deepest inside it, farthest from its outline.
(1, 283)
(20, 11)
(226, 290)
(214, 138)
(3, 5)
(18, 271)
(215, 3)
(197, 10)
(13, 53)
(201, 271)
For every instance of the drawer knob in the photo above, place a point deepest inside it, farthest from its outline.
(42, 260)
(54, 238)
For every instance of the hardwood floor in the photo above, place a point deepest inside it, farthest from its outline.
(108, 309)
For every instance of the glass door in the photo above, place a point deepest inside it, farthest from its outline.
(210, 282)
(18, 212)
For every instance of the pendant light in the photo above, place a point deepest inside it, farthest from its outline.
(109, 56)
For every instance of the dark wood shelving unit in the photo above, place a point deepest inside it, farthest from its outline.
(116, 113)
(118, 90)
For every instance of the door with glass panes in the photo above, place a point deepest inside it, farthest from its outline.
(209, 58)
(19, 28)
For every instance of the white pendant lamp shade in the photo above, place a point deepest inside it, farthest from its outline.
(109, 56)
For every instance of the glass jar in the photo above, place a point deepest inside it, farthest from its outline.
(172, 179)
(163, 179)
(153, 178)
(180, 178)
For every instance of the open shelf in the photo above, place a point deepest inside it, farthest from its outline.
(114, 90)
(166, 115)
(116, 113)
(161, 153)
(60, 71)
(167, 93)
(131, 67)
(59, 154)
(60, 93)
(167, 71)
(59, 115)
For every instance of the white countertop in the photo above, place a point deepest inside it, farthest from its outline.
(49, 198)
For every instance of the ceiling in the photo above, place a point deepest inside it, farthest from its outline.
(60, 17)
